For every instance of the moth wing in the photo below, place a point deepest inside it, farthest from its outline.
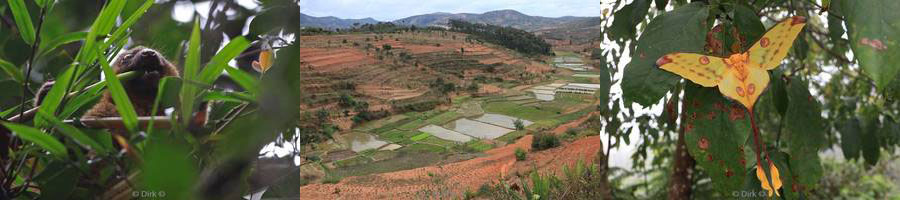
(701, 69)
(748, 91)
(768, 52)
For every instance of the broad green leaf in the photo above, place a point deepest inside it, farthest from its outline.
(661, 4)
(805, 135)
(119, 96)
(23, 20)
(873, 27)
(681, 30)
(191, 65)
(56, 180)
(220, 60)
(716, 130)
(39, 138)
(168, 166)
(778, 90)
(748, 25)
(12, 71)
(120, 32)
(55, 96)
(851, 139)
(75, 133)
(605, 83)
(871, 150)
(625, 20)
(47, 47)
(244, 79)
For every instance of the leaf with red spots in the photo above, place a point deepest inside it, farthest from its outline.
(873, 27)
(715, 140)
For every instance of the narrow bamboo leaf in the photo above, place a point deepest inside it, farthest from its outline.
(102, 26)
(55, 96)
(23, 20)
(75, 133)
(220, 60)
(191, 65)
(82, 99)
(120, 32)
(12, 71)
(39, 138)
(227, 96)
(244, 79)
(119, 96)
(47, 47)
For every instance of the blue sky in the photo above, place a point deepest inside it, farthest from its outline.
(388, 10)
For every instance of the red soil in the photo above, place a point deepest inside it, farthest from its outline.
(457, 177)
(327, 60)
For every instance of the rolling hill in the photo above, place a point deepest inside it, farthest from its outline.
(509, 18)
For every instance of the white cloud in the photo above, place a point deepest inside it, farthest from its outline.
(387, 10)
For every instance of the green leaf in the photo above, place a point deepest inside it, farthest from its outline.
(851, 139)
(120, 32)
(119, 96)
(661, 4)
(873, 27)
(168, 167)
(75, 133)
(716, 130)
(12, 71)
(23, 20)
(101, 27)
(191, 65)
(625, 20)
(47, 47)
(681, 30)
(227, 96)
(220, 60)
(42, 3)
(244, 79)
(82, 99)
(871, 150)
(605, 83)
(39, 138)
(55, 96)
(805, 134)
(779, 91)
(748, 25)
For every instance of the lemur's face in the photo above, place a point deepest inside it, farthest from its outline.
(141, 59)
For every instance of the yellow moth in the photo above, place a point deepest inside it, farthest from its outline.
(741, 76)
(266, 57)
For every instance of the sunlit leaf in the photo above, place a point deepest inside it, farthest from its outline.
(48, 46)
(220, 60)
(191, 65)
(244, 79)
(120, 32)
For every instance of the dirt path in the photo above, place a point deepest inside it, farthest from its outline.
(564, 127)
(451, 180)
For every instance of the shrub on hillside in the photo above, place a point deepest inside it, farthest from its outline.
(544, 141)
(520, 154)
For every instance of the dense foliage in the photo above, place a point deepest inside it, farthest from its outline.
(515, 39)
(54, 156)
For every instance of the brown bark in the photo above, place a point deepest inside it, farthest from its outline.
(681, 182)
(602, 163)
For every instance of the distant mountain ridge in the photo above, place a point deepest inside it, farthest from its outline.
(509, 18)
(332, 22)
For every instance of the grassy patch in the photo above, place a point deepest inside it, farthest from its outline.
(531, 113)
(393, 125)
(399, 136)
(357, 160)
(479, 146)
(403, 160)
(439, 141)
(369, 126)
(422, 147)
(418, 137)
(443, 118)
(415, 124)
(511, 137)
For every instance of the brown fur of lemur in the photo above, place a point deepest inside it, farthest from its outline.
(141, 90)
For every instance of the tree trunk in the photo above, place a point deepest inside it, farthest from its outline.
(602, 162)
(681, 181)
